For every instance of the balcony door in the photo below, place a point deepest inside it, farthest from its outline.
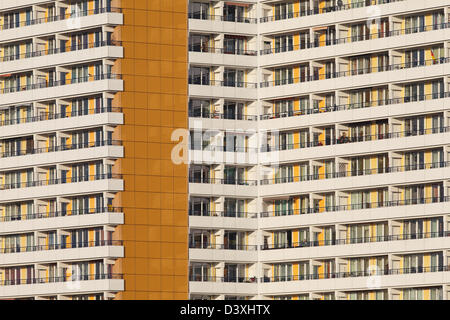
(199, 75)
(282, 272)
(235, 272)
(233, 13)
(199, 207)
(233, 45)
(234, 240)
(234, 78)
(198, 10)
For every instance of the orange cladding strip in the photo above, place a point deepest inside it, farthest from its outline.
(154, 102)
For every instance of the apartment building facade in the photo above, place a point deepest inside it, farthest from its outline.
(319, 153)
(91, 206)
(319, 149)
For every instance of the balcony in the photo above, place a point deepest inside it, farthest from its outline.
(64, 219)
(353, 274)
(353, 39)
(218, 148)
(223, 285)
(345, 241)
(350, 207)
(231, 57)
(229, 154)
(57, 83)
(355, 106)
(242, 247)
(67, 154)
(362, 71)
(230, 24)
(64, 115)
(230, 51)
(47, 26)
(224, 220)
(203, 278)
(327, 9)
(355, 139)
(220, 252)
(223, 214)
(61, 246)
(227, 18)
(86, 283)
(58, 148)
(355, 173)
(61, 17)
(61, 252)
(215, 83)
(62, 213)
(222, 116)
(85, 277)
(224, 187)
(399, 244)
(353, 281)
(62, 187)
(61, 89)
(203, 87)
(229, 181)
(66, 49)
(67, 180)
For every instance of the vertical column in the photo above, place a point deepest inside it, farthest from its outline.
(154, 102)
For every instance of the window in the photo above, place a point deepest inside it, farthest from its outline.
(437, 89)
(234, 78)
(284, 174)
(283, 207)
(284, 108)
(201, 207)
(235, 240)
(360, 99)
(414, 58)
(360, 65)
(198, 10)
(199, 43)
(64, 176)
(415, 194)
(360, 200)
(234, 13)
(285, 141)
(360, 32)
(80, 74)
(415, 92)
(199, 174)
(233, 175)
(79, 9)
(199, 75)
(233, 110)
(235, 272)
(284, 11)
(437, 123)
(304, 105)
(438, 20)
(284, 76)
(437, 158)
(414, 160)
(284, 43)
(99, 39)
(436, 293)
(99, 270)
(415, 24)
(234, 44)
(235, 142)
(415, 126)
(282, 272)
